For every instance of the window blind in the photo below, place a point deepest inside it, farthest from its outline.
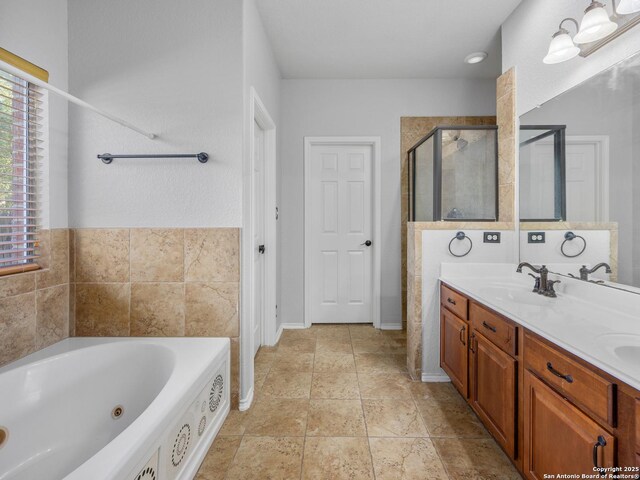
(21, 154)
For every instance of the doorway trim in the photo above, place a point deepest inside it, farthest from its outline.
(376, 182)
(258, 114)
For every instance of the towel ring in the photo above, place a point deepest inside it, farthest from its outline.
(461, 236)
(568, 237)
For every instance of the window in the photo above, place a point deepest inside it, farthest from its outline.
(21, 153)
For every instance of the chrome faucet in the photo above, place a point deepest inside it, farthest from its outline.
(543, 285)
(585, 272)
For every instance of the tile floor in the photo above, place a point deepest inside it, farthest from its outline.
(335, 402)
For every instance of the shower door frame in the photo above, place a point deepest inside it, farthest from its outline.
(437, 174)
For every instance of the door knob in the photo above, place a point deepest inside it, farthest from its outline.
(261, 249)
(367, 243)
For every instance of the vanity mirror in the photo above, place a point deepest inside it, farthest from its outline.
(580, 179)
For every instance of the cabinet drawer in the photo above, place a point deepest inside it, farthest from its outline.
(500, 332)
(454, 302)
(584, 387)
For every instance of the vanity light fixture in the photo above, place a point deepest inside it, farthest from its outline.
(629, 6)
(562, 47)
(475, 57)
(595, 30)
(595, 24)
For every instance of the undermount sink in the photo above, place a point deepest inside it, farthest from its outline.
(516, 294)
(625, 346)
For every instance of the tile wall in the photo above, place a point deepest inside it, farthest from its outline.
(35, 306)
(158, 283)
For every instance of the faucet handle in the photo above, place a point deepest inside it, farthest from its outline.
(550, 292)
(536, 287)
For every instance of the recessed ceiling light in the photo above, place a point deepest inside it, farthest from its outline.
(475, 57)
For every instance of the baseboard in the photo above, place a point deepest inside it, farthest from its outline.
(426, 377)
(292, 326)
(278, 334)
(245, 403)
(391, 326)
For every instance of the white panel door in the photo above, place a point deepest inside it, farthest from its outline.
(582, 184)
(339, 227)
(258, 237)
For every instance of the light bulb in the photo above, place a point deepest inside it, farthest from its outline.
(595, 24)
(561, 48)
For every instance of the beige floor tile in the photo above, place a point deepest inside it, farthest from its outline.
(218, 459)
(380, 362)
(286, 417)
(287, 385)
(369, 345)
(336, 418)
(298, 345)
(338, 332)
(335, 385)
(444, 391)
(406, 459)
(333, 345)
(267, 458)
(264, 359)
(474, 459)
(235, 423)
(337, 458)
(393, 418)
(298, 333)
(288, 361)
(384, 385)
(364, 331)
(450, 417)
(334, 362)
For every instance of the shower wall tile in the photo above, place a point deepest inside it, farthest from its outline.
(157, 310)
(102, 255)
(102, 309)
(157, 282)
(52, 315)
(507, 124)
(212, 309)
(34, 306)
(157, 255)
(17, 326)
(212, 255)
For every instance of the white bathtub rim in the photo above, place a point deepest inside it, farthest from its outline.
(184, 381)
(144, 431)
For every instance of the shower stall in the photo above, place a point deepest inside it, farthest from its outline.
(453, 175)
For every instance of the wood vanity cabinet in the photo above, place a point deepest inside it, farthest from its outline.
(492, 389)
(550, 411)
(454, 352)
(560, 438)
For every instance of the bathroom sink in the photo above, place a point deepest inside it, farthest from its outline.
(516, 294)
(624, 346)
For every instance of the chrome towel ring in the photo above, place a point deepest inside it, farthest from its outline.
(461, 236)
(569, 237)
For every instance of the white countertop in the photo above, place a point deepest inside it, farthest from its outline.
(598, 324)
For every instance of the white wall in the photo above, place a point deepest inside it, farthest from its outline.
(45, 44)
(436, 242)
(173, 68)
(525, 40)
(359, 108)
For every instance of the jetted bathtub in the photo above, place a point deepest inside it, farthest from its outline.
(113, 408)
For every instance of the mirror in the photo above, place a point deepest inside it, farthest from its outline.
(580, 179)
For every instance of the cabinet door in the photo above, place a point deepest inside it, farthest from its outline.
(559, 438)
(492, 382)
(453, 349)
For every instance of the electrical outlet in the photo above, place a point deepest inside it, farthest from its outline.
(536, 237)
(491, 237)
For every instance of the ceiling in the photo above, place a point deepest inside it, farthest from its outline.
(384, 38)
